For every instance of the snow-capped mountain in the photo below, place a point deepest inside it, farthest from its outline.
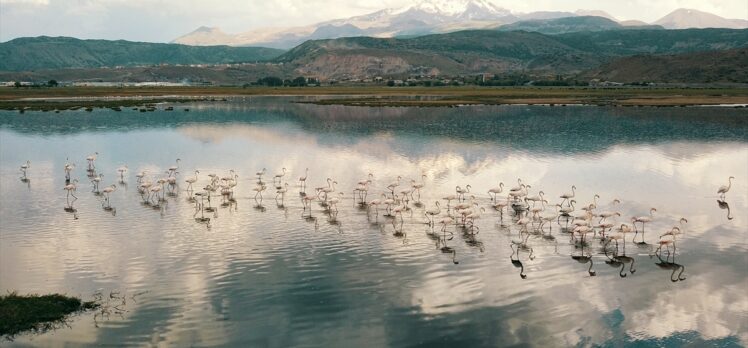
(425, 17)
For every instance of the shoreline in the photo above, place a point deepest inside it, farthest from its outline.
(63, 98)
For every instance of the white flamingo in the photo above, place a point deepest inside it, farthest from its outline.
(643, 220)
(394, 184)
(108, 190)
(25, 167)
(567, 196)
(191, 181)
(279, 177)
(91, 159)
(724, 189)
(431, 213)
(495, 191)
(302, 180)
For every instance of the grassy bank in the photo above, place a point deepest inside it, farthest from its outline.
(404, 96)
(38, 313)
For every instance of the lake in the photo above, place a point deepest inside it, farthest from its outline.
(266, 273)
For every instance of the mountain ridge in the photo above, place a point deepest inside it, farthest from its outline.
(493, 51)
(45, 52)
(434, 17)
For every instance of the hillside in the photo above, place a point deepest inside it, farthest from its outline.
(63, 52)
(567, 25)
(479, 51)
(698, 67)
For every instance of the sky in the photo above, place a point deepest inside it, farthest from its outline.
(165, 20)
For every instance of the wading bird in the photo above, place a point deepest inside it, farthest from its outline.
(25, 167)
(724, 189)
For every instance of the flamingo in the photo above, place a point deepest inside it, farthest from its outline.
(302, 180)
(445, 222)
(523, 222)
(173, 169)
(368, 179)
(122, 170)
(643, 220)
(495, 191)
(140, 176)
(260, 174)
(259, 188)
(91, 159)
(724, 189)
(517, 194)
(623, 230)
(399, 211)
(461, 192)
(68, 169)
(566, 211)
(25, 167)
(536, 198)
(567, 196)
(95, 181)
(666, 243)
(389, 202)
(107, 190)
(417, 186)
(431, 213)
(319, 189)
(333, 202)
(70, 188)
(279, 176)
(449, 198)
(363, 191)
(328, 190)
(518, 187)
(155, 190)
(536, 210)
(473, 216)
(606, 214)
(500, 205)
(376, 203)
(394, 184)
(191, 181)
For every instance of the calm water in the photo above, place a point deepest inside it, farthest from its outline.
(265, 275)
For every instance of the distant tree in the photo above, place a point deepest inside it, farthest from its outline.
(271, 81)
(52, 83)
(390, 83)
(17, 84)
(298, 82)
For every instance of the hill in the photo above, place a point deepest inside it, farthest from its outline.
(64, 52)
(492, 51)
(567, 25)
(697, 67)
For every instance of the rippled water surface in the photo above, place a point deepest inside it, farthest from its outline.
(266, 274)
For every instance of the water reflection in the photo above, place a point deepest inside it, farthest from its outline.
(725, 206)
(325, 266)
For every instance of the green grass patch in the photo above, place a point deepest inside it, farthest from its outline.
(38, 313)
